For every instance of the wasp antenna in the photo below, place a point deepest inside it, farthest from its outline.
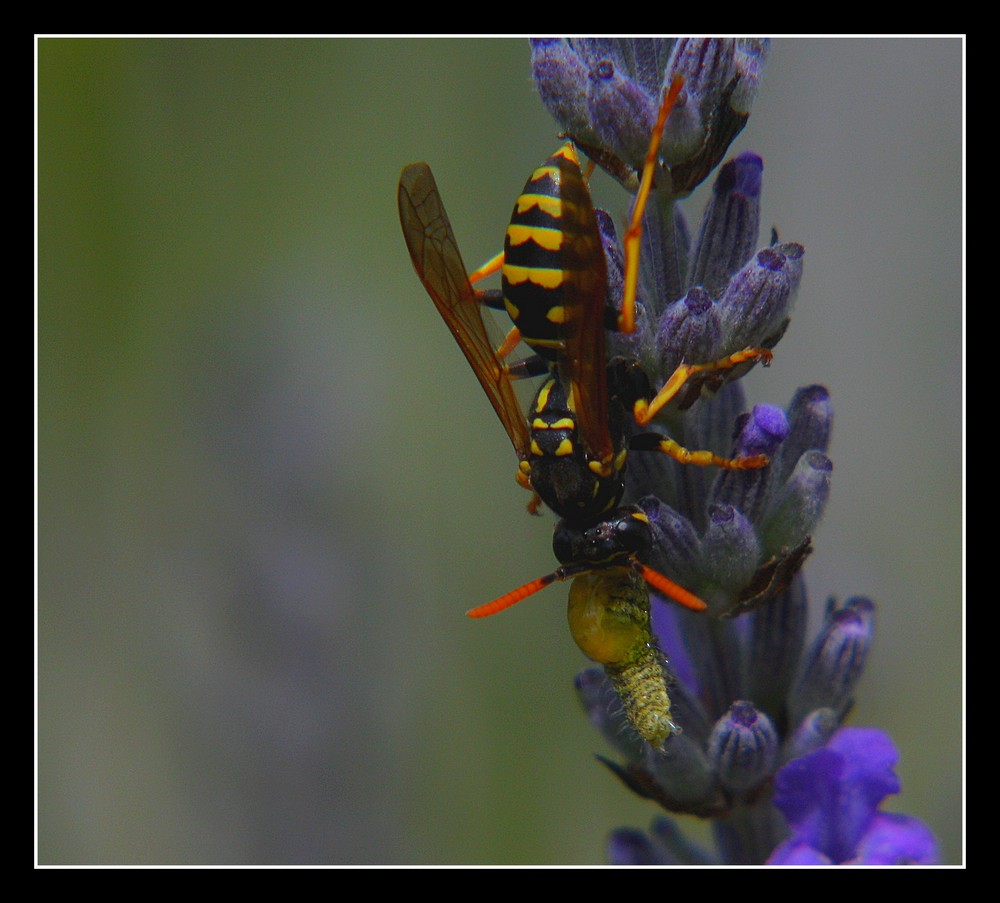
(667, 586)
(513, 597)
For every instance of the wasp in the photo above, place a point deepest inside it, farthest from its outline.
(579, 478)
(572, 447)
(603, 551)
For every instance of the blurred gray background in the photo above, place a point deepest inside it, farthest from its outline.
(269, 487)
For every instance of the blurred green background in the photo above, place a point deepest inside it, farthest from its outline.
(269, 487)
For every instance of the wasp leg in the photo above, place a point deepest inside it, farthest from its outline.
(645, 410)
(633, 235)
(487, 269)
(510, 342)
(523, 477)
(535, 365)
(660, 443)
(493, 299)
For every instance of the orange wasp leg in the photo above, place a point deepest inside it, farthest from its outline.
(492, 266)
(646, 411)
(487, 269)
(633, 235)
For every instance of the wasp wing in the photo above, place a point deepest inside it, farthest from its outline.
(436, 258)
(582, 360)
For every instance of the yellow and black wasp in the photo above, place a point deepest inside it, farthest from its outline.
(604, 551)
(572, 447)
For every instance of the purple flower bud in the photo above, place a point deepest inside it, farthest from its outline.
(720, 83)
(744, 748)
(758, 299)
(835, 660)
(749, 59)
(799, 505)
(689, 331)
(630, 846)
(730, 548)
(761, 433)
(622, 113)
(684, 772)
(706, 65)
(810, 422)
(606, 93)
(727, 236)
(614, 259)
(664, 844)
(793, 253)
(561, 77)
(676, 544)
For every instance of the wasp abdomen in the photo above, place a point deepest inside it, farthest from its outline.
(549, 241)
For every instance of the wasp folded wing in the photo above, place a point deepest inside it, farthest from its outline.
(582, 361)
(436, 258)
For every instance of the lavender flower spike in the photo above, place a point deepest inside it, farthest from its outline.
(761, 751)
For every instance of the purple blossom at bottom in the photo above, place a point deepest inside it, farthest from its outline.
(831, 800)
